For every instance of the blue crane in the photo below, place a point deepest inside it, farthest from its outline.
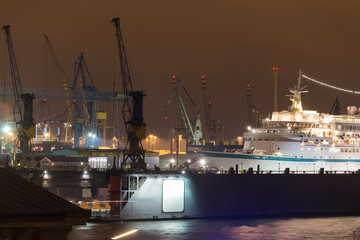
(85, 111)
(70, 94)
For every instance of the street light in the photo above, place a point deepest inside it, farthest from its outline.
(151, 141)
(202, 161)
(172, 161)
(180, 137)
(6, 129)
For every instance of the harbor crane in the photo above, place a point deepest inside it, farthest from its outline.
(193, 131)
(132, 110)
(23, 107)
(214, 128)
(59, 70)
(72, 95)
(85, 111)
(44, 119)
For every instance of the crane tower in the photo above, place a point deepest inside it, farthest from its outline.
(23, 107)
(132, 110)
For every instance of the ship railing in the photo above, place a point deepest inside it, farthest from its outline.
(255, 172)
(288, 171)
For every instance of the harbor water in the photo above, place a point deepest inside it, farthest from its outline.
(233, 229)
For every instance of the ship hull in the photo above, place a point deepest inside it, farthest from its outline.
(223, 161)
(242, 195)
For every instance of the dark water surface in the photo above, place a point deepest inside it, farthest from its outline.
(266, 229)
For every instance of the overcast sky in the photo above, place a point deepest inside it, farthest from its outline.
(232, 42)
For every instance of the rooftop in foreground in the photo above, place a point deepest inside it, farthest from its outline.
(27, 210)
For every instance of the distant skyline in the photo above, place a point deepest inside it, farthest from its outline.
(232, 43)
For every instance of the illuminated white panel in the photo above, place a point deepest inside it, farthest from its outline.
(173, 195)
(98, 162)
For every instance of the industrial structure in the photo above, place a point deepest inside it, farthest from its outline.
(199, 135)
(132, 110)
(82, 125)
(23, 107)
(191, 129)
(214, 129)
(187, 190)
(85, 111)
(253, 112)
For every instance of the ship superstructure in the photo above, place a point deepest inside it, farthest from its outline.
(302, 140)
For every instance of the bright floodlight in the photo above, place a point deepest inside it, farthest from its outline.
(125, 234)
(90, 134)
(172, 160)
(202, 161)
(6, 129)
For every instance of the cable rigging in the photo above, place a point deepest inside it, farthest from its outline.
(330, 86)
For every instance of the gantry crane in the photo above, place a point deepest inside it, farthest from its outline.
(23, 107)
(132, 110)
(44, 119)
(73, 95)
(85, 110)
(193, 131)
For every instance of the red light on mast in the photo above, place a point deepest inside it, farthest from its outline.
(275, 68)
(173, 77)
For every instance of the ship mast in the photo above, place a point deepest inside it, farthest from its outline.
(296, 105)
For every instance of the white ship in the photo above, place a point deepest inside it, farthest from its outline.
(301, 140)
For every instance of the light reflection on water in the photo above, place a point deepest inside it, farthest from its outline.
(249, 229)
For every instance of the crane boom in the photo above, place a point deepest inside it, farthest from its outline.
(66, 79)
(55, 60)
(132, 110)
(194, 133)
(15, 76)
(23, 107)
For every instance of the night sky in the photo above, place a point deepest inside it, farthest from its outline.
(232, 42)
